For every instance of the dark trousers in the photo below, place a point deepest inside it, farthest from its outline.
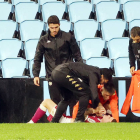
(71, 86)
(56, 95)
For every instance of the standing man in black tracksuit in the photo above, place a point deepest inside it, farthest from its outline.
(134, 49)
(57, 47)
(80, 80)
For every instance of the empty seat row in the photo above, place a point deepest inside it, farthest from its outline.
(18, 65)
(41, 2)
(131, 10)
(90, 47)
(33, 29)
(93, 47)
(120, 69)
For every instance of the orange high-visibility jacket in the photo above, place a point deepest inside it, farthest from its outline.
(113, 101)
(134, 90)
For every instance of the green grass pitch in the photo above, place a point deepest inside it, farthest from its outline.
(75, 131)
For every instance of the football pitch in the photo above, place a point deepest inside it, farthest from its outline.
(75, 131)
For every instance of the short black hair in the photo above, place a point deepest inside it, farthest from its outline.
(109, 87)
(114, 120)
(135, 31)
(53, 20)
(107, 73)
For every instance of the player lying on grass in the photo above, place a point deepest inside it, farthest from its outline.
(106, 97)
(49, 105)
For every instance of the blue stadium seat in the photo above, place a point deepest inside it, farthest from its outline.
(133, 23)
(14, 2)
(118, 47)
(85, 29)
(5, 9)
(30, 48)
(68, 2)
(41, 2)
(91, 47)
(97, 1)
(79, 10)
(42, 71)
(28, 14)
(101, 62)
(107, 10)
(13, 68)
(58, 9)
(7, 28)
(124, 1)
(131, 10)
(122, 67)
(9, 48)
(31, 29)
(65, 25)
(112, 28)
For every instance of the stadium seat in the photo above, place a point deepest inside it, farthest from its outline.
(31, 29)
(112, 28)
(5, 9)
(91, 47)
(68, 2)
(41, 2)
(124, 1)
(29, 14)
(97, 1)
(101, 62)
(85, 29)
(14, 2)
(13, 68)
(58, 9)
(30, 48)
(42, 71)
(7, 28)
(122, 67)
(133, 23)
(118, 47)
(131, 10)
(65, 25)
(79, 11)
(9, 48)
(107, 10)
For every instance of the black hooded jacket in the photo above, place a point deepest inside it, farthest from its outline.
(56, 50)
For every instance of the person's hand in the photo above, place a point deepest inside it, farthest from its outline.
(132, 69)
(100, 111)
(36, 81)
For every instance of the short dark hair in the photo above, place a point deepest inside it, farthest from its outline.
(109, 87)
(53, 19)
(107, 73)
(135, 31)
(114, 120)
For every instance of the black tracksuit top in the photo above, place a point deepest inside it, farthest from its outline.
(134, 53)
(56, 50)
(89, 74)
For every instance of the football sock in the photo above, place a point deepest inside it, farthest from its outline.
(39, 113)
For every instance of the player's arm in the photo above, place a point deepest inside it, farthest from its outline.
(114, 107)
(37, 62)
(75, 50)
(93, 82)
(131, 57)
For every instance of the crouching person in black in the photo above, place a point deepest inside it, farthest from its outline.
(80, 80)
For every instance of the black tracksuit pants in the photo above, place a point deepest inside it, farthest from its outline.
(71, 86)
